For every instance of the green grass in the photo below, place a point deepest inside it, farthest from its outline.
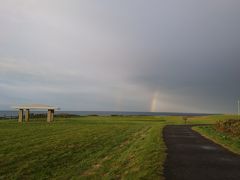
(227, 141)
(84, 147)
(87, 147)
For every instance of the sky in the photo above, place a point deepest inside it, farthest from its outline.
(109, 55)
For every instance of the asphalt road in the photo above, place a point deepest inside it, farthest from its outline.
(192, 157)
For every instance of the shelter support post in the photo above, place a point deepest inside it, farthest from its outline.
(50, 115)
(27, 115)
(20, 115)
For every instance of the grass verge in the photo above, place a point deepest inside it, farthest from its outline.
(229, 142)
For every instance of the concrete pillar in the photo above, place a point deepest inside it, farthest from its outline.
(27, 115)
(50, 115)
(20, 115)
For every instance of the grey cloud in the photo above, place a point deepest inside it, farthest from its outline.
(117, 55)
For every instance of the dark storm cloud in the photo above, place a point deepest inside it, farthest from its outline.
(121, 55)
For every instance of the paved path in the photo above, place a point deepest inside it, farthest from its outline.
(192, 157)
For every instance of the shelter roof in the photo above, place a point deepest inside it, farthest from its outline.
(36, 106)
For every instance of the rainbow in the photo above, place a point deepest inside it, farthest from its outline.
(154, 102)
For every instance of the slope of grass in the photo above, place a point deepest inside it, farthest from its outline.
(84, 147)
(224, 139)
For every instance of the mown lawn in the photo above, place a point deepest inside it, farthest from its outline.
(83, 147)
(86, 147)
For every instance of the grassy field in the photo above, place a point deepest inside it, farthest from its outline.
(87, 147)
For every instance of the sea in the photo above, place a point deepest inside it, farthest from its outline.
(12, 114)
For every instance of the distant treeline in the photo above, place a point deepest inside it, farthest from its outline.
(44, 115)
(63, 115)
(39, 116)
(8, 117)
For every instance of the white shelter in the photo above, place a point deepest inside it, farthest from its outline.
(26, 108)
